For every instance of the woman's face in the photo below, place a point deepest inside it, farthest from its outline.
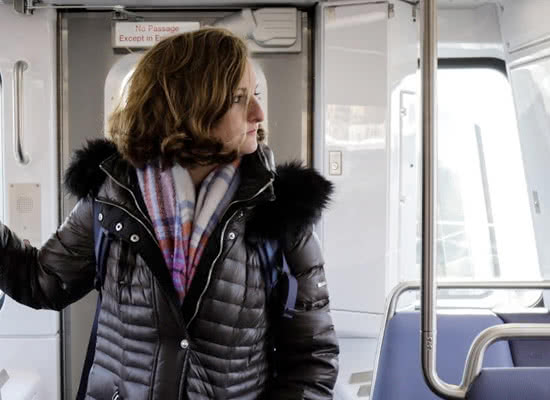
(238, 128)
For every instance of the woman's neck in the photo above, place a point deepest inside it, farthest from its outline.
(199, 173)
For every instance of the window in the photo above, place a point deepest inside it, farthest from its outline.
(484, 224)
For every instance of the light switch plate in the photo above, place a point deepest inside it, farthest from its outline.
(335, 163)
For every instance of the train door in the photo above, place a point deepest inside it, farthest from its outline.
(29, 339)
(98, 54)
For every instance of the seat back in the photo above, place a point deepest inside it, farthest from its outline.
(522, 383)
(529, 353)
(399, 372)
(531, 377)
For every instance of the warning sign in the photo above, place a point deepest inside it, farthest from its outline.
(147, 34)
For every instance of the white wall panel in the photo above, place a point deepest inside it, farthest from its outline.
(363, 83)
(402, 147)
(35, 360)
(525, 24)
(470, 32)
(355, 107)
(526, 34)
(31, 39)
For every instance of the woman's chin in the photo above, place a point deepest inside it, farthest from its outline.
(249, 146)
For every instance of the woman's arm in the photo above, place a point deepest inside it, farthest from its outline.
(307, 348)
(60, 272)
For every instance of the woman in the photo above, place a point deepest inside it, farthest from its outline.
(185, 197)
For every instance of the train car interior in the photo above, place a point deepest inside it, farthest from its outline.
(430, 117)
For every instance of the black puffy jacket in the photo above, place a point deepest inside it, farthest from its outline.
(218, 344)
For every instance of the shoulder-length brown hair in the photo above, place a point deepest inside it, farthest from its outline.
(178, 91)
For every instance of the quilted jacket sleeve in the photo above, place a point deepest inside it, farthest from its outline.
(307, 348)
(60, 272)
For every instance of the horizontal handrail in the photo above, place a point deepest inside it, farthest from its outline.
(474, 361)
(414, 285)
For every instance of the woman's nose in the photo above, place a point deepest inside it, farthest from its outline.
(255, 112)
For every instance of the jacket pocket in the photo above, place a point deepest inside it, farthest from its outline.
(102, 383)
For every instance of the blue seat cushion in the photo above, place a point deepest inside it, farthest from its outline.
(511, 384)
(399, 372)
(529, 353)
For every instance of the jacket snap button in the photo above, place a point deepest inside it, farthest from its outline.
(100, 217)
(231, 235)
(184, 344)
(118, 227)
(134, 238)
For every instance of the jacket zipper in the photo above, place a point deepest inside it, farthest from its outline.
(221, 247)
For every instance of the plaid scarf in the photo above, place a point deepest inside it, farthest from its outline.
(183, 220)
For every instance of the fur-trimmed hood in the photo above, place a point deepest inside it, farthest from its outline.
(301, 193)
(84, 177)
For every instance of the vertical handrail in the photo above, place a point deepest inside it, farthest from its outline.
(429, 154)
(20, 156)
(428, 292)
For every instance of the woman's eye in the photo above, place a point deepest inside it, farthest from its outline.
(258, 94)
(238, 98)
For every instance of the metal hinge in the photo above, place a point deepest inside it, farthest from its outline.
(23, 6)
(414, 7)
(391, 10)
(364, 378)
(122, 14)
(536, 201)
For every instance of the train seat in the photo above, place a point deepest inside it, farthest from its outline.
(399, 372)
(522, 383)
(531, 377)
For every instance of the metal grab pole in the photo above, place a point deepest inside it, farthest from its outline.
(429, 154)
